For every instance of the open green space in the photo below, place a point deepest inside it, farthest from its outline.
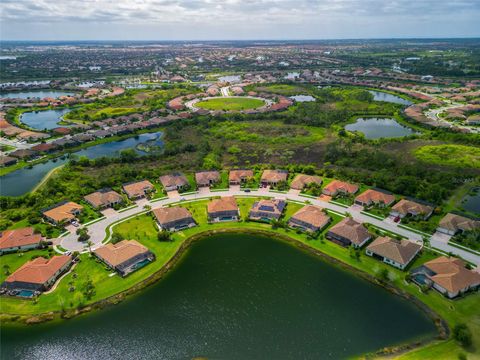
(230, 103)
(451, 155)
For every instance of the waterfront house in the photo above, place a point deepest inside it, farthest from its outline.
(349, 232)
(19, 240)
(104, 198)
(267, 209)
(409, 207)
(223, 209)
(339, 187)
(301, 181)
(37, 275)
(448, 275)
(125, 257)
(175, 181)
(397, 253)
(310, 218)
(24, 154)
(62, 212)
(7, 160)
(138, 189)
(375, 197)
(174, 218)
(44, 147)
(452, 224)
(237, 177)
(207, 178)
(273, 177)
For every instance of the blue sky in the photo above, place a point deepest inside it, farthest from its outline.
(236, 19)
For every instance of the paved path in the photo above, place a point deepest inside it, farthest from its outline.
(97, 230)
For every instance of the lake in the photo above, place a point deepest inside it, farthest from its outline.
(471, 202)
(383, 96)
(35, 94)
(302, 98)
(45, 119)
(24, 180)
(234, 296)
(376, 128)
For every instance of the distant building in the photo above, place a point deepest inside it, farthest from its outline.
(398, 253)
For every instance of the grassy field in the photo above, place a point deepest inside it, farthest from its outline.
(451, 155)
(226, 104)
(282, 89)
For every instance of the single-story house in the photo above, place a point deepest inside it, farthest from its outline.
(301, 181)
(175, 181)
(375, 196)
(409, 207)
(273, 177)
(237, 177)
(7, 160)
(125, 257)
(37, 275)
(448, 275)
(223, 209)
(398, 253)
(267, 209)
(336, 186)
(24, 153)
(174, 218)
(19, 239)
(138, 189)
(310, 218)
(349, 232)
(103, 198)
(63, 212)
(44, 147)
(207, 178)
(452, 224)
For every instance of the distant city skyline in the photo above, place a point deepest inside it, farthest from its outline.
(237, 19)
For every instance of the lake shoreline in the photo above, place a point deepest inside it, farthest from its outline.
(443, 330)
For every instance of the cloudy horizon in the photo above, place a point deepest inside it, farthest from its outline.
(237, 19)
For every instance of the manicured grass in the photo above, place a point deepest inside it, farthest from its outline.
(282, 89)
(451, 155)
(234, 103)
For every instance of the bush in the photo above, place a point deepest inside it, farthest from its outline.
(463, 335)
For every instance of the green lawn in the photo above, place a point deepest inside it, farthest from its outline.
(234, 103)
(451, 155)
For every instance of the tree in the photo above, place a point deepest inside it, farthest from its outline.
(462, 334)
(384, 274)
(116, 237)
(164, 236)
(6, 269)
(83, 234)
(89, 289)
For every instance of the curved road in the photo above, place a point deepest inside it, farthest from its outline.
(98, 229)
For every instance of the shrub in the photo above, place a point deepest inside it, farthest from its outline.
(462, 334)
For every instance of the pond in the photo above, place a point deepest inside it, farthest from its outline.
(45, 119)
(40, 94)
(471, 202)
(376, 128)
(302, 98)
(24, 180)
(383, 96)
(234, 296)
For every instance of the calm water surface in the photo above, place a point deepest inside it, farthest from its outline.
(383, 96)
(46, 119)
(23, 180)
(376, 128)
(35, 94)
(234, 297)
(471, 202)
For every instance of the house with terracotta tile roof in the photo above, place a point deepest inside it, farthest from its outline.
(62, 212)
(339, 187)
(138, 189)
(407, 207)
(19, 240)
(44, 147)
(37, 275)
(375, 197)
(310, 218)
(301, 181)
(7, 161)
(452, 224)
(125, 256)
(24, 153)
(223, 209)
(104, 198)
(175, 181)
(239, 176)
(267, 209)
(448, 275)
(273, 177)
(349, 232)
(207, 178)
(174, 218)
(397, 253)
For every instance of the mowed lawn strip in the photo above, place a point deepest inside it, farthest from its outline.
(237, 103)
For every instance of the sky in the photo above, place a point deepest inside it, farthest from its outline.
(236, 19)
